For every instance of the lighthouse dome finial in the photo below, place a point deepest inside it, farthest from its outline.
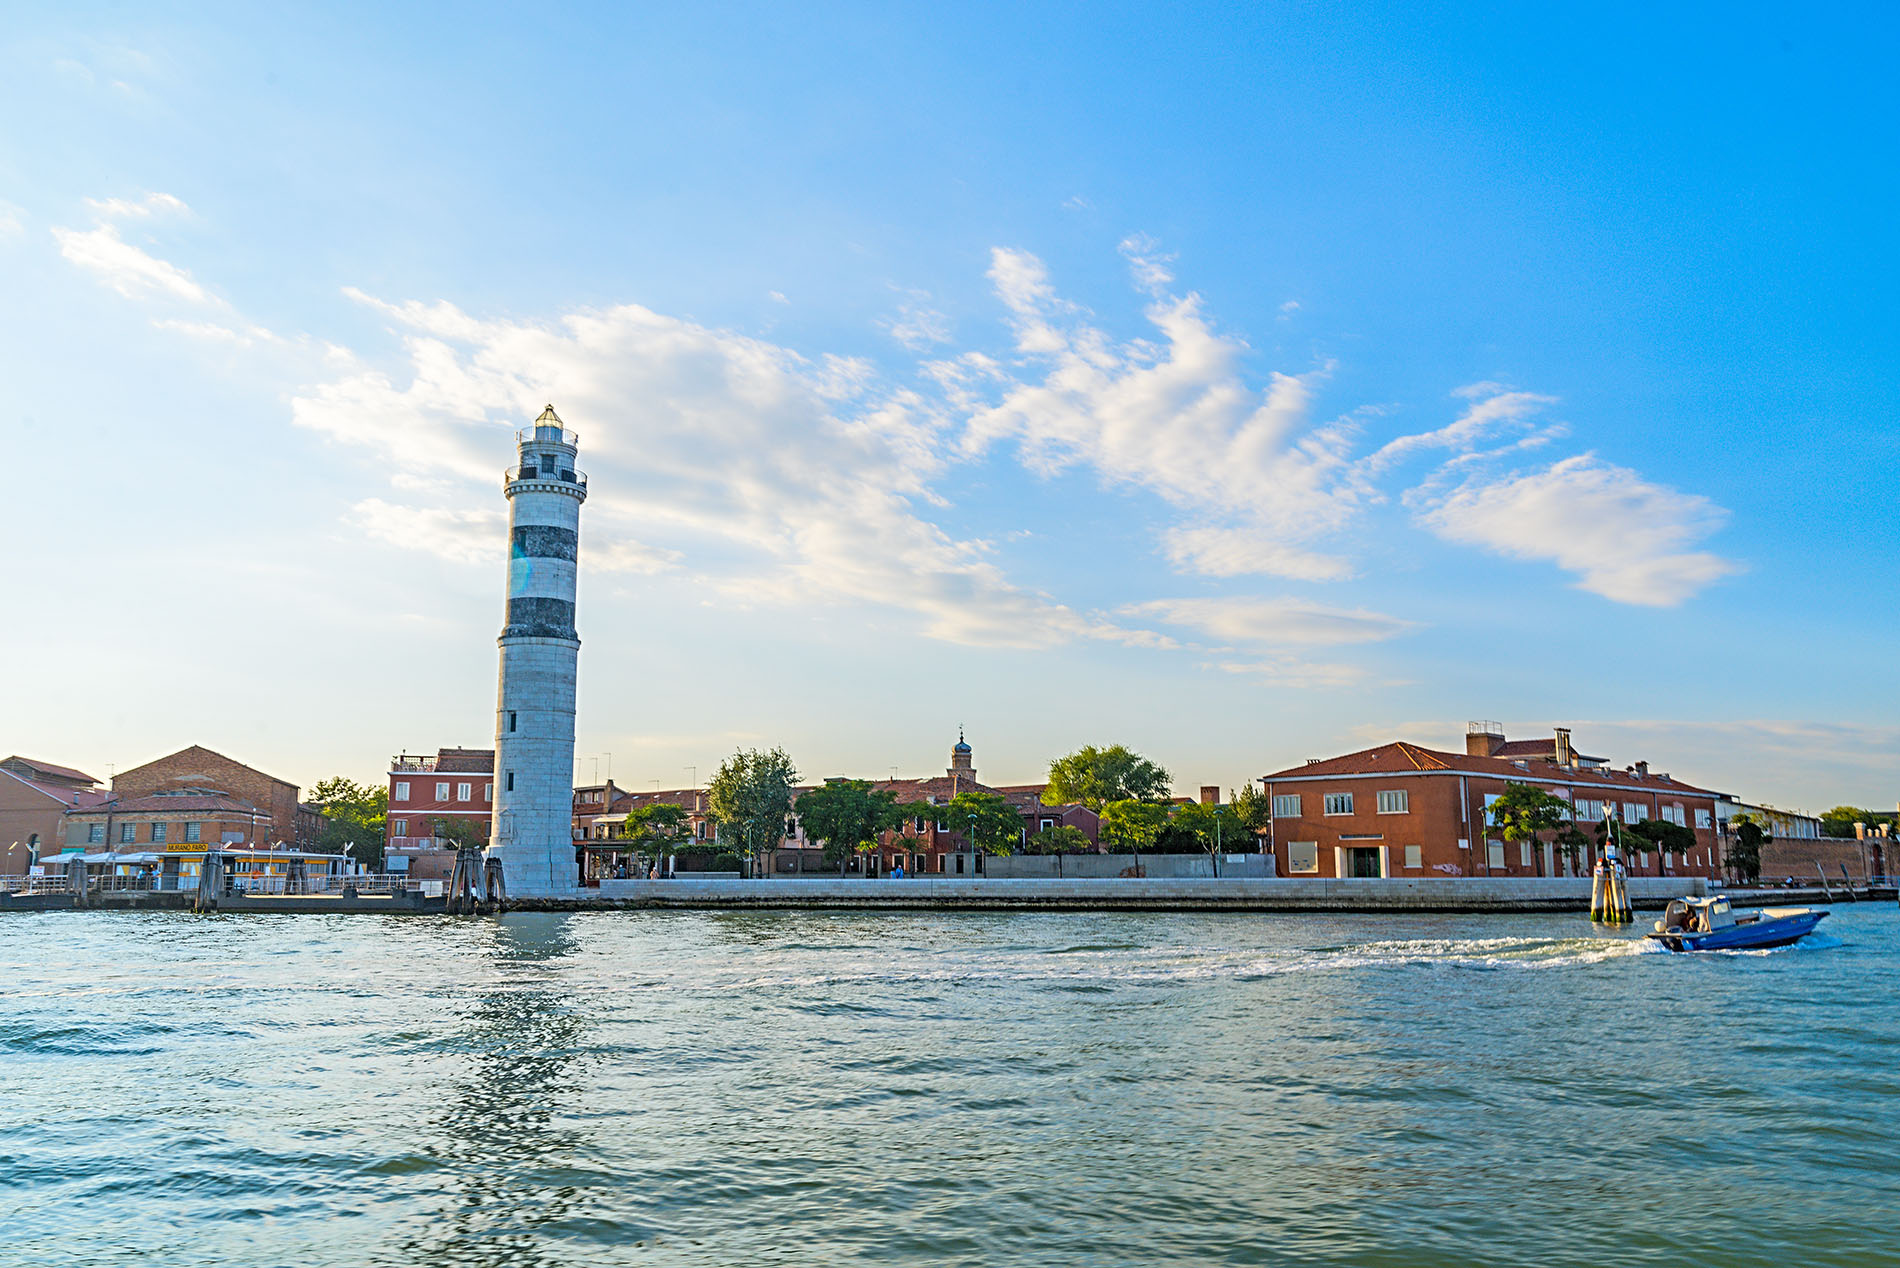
(548, 418)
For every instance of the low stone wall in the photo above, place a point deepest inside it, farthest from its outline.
(1466, 894)
(1107, 866)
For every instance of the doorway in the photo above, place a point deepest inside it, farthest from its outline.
(1363, 862)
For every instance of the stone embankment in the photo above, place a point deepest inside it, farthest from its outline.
(1466, 894)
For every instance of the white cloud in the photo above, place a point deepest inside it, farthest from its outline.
(779, 479)
(916, 325)
(1254, 477)
(124, 267)
(1626, 538)
(1273, 622)
(12, 220)
(124, 208)
(460, 536)
(1260, 486)
(213, 332)
(1291, 671)
(1239, 552)
(1493, 408)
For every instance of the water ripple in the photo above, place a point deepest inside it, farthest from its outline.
(830, 1088)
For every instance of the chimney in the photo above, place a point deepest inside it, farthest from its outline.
(1642, 770)
(1483, 739)
(1566, 756)
(1210, 794)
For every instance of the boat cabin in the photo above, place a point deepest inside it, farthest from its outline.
(1696, 915)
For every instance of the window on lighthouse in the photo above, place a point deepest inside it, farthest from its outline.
(511, 719)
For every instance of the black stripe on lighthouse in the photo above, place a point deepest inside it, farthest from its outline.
(540, 618)
(545, 541)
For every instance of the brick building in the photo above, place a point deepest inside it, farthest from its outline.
(940, 846)
(168, 821)
(922, 845)
(1402, 810)
(34, 796)
(286, 822)
(427, 789)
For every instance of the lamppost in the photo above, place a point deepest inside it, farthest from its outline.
(973, 849)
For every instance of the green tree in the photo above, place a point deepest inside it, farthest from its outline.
(989, 822)
(1661, 835)
(657, 829)
(1254, 810)
(1744, 851)
(848, 816)
(1059, 839)
(1523, 810)
(1134, 825)
(456, 833)
(1095, 777)
(354, 818)
(1210, 829)
(1572, 841)
(1840, 820)
(749, 799)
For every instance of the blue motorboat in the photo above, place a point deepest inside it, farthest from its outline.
(1707, 924)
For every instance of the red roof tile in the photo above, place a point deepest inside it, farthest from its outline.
(163, 803)
(1402, 758)
(48, 769)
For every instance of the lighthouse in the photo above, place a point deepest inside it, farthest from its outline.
(540, 659)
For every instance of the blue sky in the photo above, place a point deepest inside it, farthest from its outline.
(1244, 386)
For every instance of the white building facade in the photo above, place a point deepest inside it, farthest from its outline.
(540, 660)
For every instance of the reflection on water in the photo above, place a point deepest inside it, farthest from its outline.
(499, 1135)
(704, 1088)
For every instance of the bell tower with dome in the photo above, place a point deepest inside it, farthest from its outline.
(962, 765)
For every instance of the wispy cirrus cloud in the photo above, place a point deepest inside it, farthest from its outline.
(1282, 622)
(127, 269)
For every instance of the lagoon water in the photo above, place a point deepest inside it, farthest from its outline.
(1030, 1089)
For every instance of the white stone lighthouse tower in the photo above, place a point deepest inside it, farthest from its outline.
(540, 655)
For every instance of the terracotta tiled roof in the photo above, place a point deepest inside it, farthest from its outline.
(1545, 750)
(164, 803)
(32, 768)
(1400, 758)
(465, 761)
(63, 793)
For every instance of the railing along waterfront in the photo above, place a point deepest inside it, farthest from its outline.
(367, 883)
(33, 884)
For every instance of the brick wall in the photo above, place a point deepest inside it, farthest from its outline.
(198, 767)
(1797, 856)
(1443, 809)
(24, 813)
